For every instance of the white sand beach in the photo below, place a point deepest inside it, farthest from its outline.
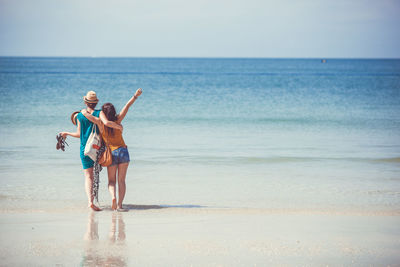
(152, 235)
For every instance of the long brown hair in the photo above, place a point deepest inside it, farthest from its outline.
(109, 110)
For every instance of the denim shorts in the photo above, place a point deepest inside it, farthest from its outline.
(120, 155)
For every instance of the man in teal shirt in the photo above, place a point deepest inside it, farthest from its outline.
(84, 129)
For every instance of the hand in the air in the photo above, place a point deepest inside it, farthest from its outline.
(138, 92)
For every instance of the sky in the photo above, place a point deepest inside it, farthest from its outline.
(201, 28)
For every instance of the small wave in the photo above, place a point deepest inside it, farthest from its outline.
(388, 160)
(384, 192)
(284, 159)
(338, 74)
(237, 160)
(229, 160)
(304, 159)
(256, 160)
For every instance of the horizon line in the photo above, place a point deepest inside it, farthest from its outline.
(196, 57)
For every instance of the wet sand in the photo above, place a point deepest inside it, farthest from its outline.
(190, 235)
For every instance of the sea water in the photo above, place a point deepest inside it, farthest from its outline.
(235, 133)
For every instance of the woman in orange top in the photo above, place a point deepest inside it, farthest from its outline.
(120, 155)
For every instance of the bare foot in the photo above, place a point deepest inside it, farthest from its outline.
(94, 207)
(114, 204)
(121, 209)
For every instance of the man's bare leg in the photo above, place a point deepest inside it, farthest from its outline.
(88, 188)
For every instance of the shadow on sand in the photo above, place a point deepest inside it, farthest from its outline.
(151, 207)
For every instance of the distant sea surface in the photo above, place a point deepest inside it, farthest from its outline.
(247, 133)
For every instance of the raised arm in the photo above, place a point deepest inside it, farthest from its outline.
(111, 124)
(125, 109)
(91, 118)
(77, 134)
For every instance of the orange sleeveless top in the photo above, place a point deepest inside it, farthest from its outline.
(115, 140)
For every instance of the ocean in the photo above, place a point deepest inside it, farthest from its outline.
(279, 134)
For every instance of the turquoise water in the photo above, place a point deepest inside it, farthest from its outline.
(264, 133)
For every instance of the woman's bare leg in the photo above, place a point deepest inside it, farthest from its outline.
(112, 176)
(88, 188)
(122, 169)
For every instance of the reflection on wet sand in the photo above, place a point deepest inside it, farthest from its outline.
(117, 220)
(105, 252)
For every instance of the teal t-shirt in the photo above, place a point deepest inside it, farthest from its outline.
(86, 129)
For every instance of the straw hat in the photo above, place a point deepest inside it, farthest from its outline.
(91, 97)
(73, 117)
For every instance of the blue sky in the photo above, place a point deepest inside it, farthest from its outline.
(185, 28)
